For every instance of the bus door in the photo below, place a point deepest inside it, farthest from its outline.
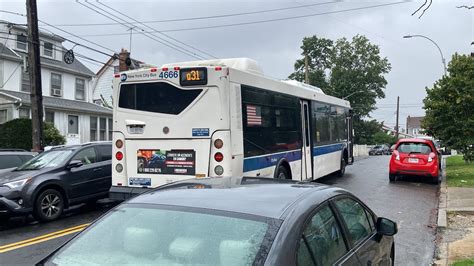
(350, 138)
(306, 158)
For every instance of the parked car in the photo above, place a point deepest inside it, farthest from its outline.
(10, 158)
(415, 157)
(55, 180)
(235, 221)
(380, 150)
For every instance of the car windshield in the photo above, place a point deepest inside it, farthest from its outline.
(414, 147)
(378, 147)
(151, 235)
(47, 159)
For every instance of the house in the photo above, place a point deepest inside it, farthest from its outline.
(102, 83)
(67, 88)
(414, 126)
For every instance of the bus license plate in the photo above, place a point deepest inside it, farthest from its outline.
(413, 160)
(139, 181)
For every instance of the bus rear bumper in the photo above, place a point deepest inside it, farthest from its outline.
(124, 193)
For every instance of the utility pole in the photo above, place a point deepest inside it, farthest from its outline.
(34, 69)
(306, 74)
(398, 113)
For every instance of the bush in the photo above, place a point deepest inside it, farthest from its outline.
(16, 134)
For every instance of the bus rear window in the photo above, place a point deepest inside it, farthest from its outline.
(156, 97)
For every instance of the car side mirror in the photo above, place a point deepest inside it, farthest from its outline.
(74, 164)
(386, 227)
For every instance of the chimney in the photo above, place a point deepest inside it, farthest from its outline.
(124, 54)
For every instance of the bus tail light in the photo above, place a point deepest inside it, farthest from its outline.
(219, 170)
(218, 143)
(119, 156)
(153, 70)
(119, 144)
(218, 157)
(176, 68)
(119, 168)
(218, 68)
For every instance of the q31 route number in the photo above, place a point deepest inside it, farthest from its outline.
(168, 74)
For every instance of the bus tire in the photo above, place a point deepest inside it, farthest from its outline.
(342, 170)
(282, 173)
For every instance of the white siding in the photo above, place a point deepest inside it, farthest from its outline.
(103, 84)
(13, 71)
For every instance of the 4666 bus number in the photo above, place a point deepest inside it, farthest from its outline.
(168, 74)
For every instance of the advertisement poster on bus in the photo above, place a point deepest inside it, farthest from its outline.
(169, 162)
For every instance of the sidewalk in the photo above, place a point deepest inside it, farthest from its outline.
(455, 236)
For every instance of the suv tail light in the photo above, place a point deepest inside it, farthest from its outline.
(431, 157)
(397, 155)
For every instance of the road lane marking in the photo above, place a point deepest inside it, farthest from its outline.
(42, 238)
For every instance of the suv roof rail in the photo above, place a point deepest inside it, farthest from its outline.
(12, 150)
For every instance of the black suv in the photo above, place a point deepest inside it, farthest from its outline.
(57, 179)
(10, 158)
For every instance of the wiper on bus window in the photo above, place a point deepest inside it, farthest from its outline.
(414, 152)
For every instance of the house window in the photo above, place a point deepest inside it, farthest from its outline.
(21, 42)
(73, 124)
(93, 128)
(80, 89)
(48, 49)
(110, 128)
(49, 117)
(103, 127)
(56, 84)
(25, 80)
(24, 112)
(3, 116)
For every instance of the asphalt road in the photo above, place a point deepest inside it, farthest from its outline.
(411, 203)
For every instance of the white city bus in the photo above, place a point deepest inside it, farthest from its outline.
(222, 118)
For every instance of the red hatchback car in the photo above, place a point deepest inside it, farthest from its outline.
(415, 157)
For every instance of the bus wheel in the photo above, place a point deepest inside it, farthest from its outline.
(342, 170)
(282, 173)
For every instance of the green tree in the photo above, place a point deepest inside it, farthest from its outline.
(16, 134)
(449, 106)
(341, 68)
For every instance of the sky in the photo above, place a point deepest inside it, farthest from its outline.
(416, 62)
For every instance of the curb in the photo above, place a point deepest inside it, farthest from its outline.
(443, 198)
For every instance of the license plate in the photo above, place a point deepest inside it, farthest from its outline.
(135, 130)
(413, 160)
(139, 181)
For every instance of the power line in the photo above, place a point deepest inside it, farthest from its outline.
(166, 35)
(286, 18)
(79, 37)
(201, 18)
(254, 22)
(63, 49)
(107, 14)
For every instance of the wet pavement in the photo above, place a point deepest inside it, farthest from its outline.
(410, 202)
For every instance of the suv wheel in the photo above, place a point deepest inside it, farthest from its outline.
(49, 205)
